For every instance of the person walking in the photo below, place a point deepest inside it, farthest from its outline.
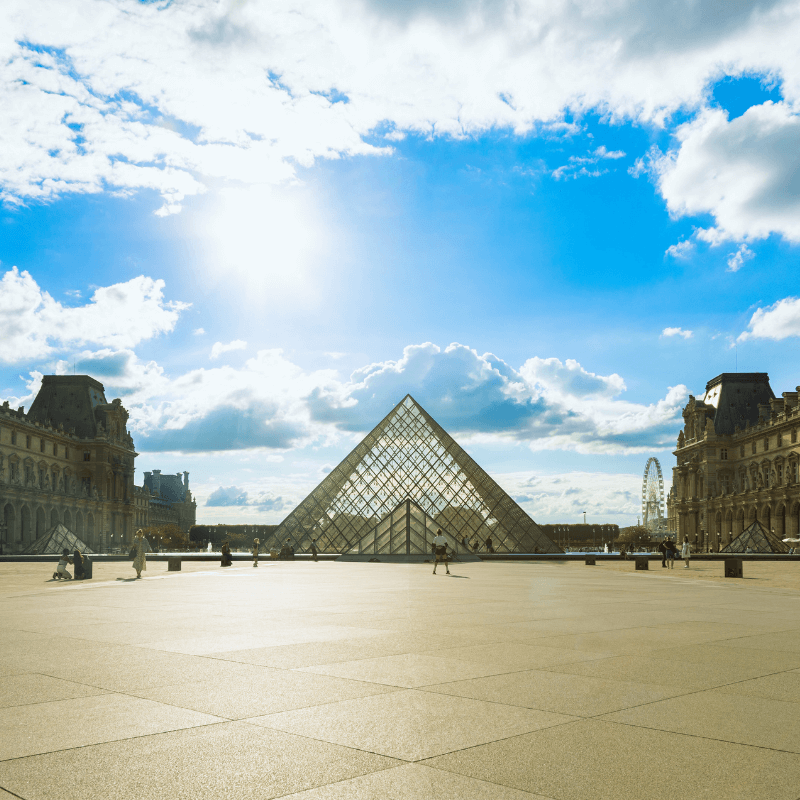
(489, 544)
(226, 560)
(440, 550)
(61, 570)
(139, 554)
(256, 543)
(314, 550)
(671, 547)
(686, 553)
(662, 548)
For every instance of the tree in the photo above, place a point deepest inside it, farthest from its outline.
(635, 535)
(166, 537)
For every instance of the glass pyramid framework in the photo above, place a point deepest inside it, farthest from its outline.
(758, 539)
(54, 541)
(410, 456)
(405, 531)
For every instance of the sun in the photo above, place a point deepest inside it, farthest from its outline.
(270, 241)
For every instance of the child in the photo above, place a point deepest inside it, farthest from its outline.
(61, 570)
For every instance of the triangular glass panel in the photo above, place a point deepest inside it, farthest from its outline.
(410, 457)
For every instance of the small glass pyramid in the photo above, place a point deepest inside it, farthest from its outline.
(54, 541)
(409, 456)
(406, 530)
(755, 538)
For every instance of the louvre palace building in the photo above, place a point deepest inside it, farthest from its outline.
(70, 460)
(737, 462)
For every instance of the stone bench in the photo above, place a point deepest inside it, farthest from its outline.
(173, 565)
(642, 562)
(734, 568)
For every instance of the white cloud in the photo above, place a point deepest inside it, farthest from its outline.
(546, 403)
(736, 260)
(272, 404)
(33, 324)
(606, 497)
(218, 349)
(677, 332)
(198, 331)
(681, 250)
(264, 500)
(582, 166)
(778, 321)
(742, 171)
(174, 96)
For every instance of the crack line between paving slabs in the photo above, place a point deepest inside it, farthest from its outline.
(699, 736)
(427, 766)
(14, 794)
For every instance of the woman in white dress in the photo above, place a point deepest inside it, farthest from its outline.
(686, 552)
(139, 557)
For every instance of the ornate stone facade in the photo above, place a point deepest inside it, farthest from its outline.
(738, 457)
(69, 460)
(166, 500)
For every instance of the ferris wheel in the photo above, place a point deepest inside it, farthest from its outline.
(653, 496)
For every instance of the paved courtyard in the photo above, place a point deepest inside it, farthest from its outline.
(318, 681)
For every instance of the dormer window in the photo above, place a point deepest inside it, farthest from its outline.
(723, 454)
(87, 456)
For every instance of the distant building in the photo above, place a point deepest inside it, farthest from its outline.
(70, 460)
(581, 535)
(737, 462)
(165, 500)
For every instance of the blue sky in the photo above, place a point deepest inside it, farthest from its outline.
(261, 224)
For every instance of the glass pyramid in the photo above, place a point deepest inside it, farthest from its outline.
(409, 456)
(758, 539)
(54, 541)
(406, 530)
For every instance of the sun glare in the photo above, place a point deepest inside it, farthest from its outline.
(270, 239)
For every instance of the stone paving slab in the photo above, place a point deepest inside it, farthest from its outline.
(414, 782)
(576, 695)
(43, 727)
(231, 760)
(411, 725)
(507, 680)
(19, 690)
(604, 761)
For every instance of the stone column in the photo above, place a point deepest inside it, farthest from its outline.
(791, 524)
(737, 522)
(778, 519)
